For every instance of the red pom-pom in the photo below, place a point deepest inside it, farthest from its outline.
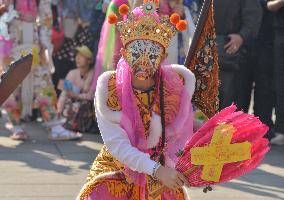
(181, 25)
(112, 18)
(175, 18)
(123, 9)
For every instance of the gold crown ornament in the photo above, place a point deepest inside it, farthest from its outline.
(143, 23)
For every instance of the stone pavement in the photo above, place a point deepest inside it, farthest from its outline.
(39, 169)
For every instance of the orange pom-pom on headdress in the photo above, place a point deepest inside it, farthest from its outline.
(181, 25)
(123, 9)
(112, 18)
(175, 18)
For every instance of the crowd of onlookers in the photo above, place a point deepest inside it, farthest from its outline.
(72, 42)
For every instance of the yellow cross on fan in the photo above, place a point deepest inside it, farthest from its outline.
(220, 151)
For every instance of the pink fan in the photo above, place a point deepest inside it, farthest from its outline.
(226, 147)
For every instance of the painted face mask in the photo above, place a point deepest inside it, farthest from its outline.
(144, 56)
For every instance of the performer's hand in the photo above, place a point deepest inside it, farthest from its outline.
(171, 178)
(233, 46)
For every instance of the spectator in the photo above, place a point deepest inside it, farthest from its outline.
(277, 6)
(86, 8)
(6, 44)
(37, 90)
(98, 18)
(194, 6)
(236, 23)
(76, 15)
(259, 70)
(64, 22)
(180, 43)
(76, 100)
(70, 17)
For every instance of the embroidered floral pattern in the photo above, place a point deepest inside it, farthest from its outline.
(204, 64)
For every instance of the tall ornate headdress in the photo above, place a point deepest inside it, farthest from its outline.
(144, 23)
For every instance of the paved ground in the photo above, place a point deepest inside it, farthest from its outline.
(43, 170)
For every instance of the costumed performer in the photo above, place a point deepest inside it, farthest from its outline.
(144, 112)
